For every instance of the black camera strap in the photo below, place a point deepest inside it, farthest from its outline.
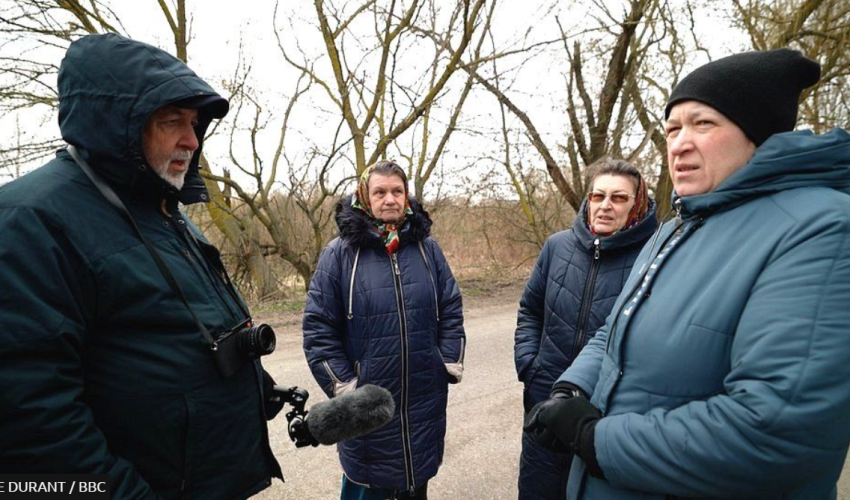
(112, 197)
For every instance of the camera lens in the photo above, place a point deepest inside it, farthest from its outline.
(257, 341)
(266, 339)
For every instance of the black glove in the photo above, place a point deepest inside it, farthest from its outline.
(566, 422)
(567, 419)
(272, 404)
(541, 433)
(573, 421)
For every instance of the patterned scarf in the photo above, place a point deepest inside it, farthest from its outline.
(641, 206)
(636, 214)
(388, 231)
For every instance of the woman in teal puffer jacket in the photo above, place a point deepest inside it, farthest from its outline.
(722, 370)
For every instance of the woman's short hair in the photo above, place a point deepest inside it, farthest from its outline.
(611, 166)
(387, 168)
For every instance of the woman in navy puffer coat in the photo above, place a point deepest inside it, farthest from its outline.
(383, 308)
(578, 276)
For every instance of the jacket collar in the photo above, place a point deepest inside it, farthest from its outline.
(635, 235)
(785, 161)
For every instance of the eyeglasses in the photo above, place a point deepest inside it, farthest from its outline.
(618, 198)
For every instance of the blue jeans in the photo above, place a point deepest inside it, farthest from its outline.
(353, 491)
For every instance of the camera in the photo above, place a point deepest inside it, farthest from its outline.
(241, 344)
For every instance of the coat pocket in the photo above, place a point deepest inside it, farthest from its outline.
(454, 370)
(531, 371)
(441, 376)
(338, 386)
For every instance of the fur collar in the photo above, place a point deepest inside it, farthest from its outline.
(355, 227)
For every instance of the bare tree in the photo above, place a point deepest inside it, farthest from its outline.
(376, 103)
(32, 34)
(605, 124)
(270, 201)
(821, 30)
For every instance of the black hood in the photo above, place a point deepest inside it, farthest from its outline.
(357, 229)
(108, 88)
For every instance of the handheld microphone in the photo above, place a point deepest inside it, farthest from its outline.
(350, 415)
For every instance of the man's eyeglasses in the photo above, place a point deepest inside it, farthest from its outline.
(618, 198)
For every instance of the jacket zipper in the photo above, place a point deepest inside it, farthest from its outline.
(586, 300)
(351, 285)
(650, 260)
(651, 248)
(678, 205)
(405, 425)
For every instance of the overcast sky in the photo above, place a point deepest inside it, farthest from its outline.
(220, 30)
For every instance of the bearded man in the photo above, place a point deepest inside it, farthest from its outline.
(107, 367)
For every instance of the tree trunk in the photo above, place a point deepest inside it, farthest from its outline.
(247, 244)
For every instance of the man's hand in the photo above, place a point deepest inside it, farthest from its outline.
(272, 403)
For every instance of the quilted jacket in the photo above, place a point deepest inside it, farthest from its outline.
(570, 292)
(395, 322)
(568, 296)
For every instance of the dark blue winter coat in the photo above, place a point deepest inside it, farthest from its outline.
(102, 368)
(571, 290)
(568, 296)
(394, 322)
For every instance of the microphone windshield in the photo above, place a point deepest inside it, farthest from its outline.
(351, 415)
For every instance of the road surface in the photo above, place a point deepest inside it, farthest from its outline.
(484, 419)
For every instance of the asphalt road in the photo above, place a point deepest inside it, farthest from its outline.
(484, 420)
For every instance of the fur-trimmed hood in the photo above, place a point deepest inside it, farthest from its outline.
(356, 229)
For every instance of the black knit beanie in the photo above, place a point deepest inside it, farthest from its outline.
(759, 91)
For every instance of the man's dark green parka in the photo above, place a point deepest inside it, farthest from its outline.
(102, 368)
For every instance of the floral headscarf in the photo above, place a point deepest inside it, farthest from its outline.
(388, 231)
(641, 206)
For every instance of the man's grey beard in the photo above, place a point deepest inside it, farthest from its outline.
(176, 179)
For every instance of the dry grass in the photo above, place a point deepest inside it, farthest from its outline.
(489, 246)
